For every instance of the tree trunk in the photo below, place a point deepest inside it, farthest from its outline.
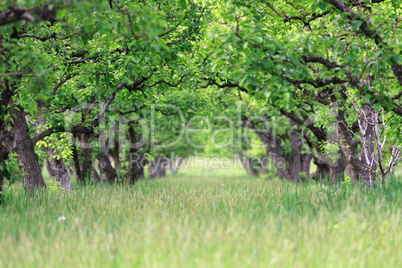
(7, 92)
(55, 163)
(58, 169)
(83, 158)
(49, 169)
(114, 152)
(306, 163)
(367, 144)
(106, 167)
(174, 164)
(354, 166)
(263, 165)
(7, 137)
(160, 166)
(295, 165)
(329, 171)
(154, 168)
(248, 166)
(25, 149)
(96, 175)
(137, 157)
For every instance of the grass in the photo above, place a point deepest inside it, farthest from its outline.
(204, 218)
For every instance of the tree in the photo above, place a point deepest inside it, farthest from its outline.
(299, 57)
(86, 61)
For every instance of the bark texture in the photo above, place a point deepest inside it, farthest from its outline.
(114, 152)
(24, 147)
(83, 158)
(106, 167)
(136, 158)
(356, 168)
(55, 163)
(59, 170)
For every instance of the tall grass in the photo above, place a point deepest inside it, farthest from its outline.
(204, 218)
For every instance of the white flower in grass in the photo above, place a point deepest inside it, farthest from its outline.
(62, 218)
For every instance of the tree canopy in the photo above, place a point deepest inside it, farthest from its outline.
(95, 86)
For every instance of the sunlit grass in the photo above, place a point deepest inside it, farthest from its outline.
(204, 218)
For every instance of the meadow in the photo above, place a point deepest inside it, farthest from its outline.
(204, 218)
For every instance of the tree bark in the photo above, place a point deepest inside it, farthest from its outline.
(25, 149)
(354, 166)
(367, 143)
(106, 167)
(295, 163)
(55, 163)
(114, 152)
(329, 171)
(59, 170)
(306, 163)
(82, 159)
(136, 158)
(6, 136)
(96, 175)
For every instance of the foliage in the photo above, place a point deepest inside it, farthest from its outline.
(54, 187)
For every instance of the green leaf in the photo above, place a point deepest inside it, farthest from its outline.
(396, 59)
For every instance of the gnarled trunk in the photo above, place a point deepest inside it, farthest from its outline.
(355, 167)
(24, 147)
(58, 169)
(55, 163)
(367, 143)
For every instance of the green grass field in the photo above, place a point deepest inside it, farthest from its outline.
(204, 218)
